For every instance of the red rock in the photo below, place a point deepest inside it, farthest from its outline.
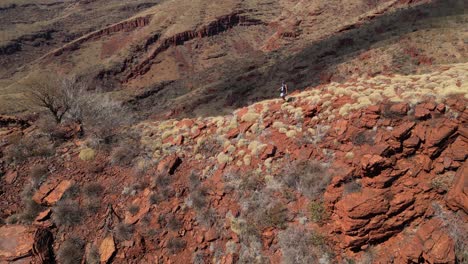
(107, 249)
(232, 133)
(372, 163)
(43, 215)
(57, 193)
(430, 106)
(44, 190)
(11, 176)
(199, 238)
(310, 110)
(457, 197)
(365, 204)
(420, 131)
(400, 201)
(424, 161)
(458, 150)
(15, 241)
(211, 235)
(400, 108)
(178, 140)
(269, 151)
(373, 109)
(439, 134)
(403, 129)
(169, 164)
(411, 142)
(341, 126)
(144, 207)
(440, 108)
(245, 126)
(420, 112)
(380, 149)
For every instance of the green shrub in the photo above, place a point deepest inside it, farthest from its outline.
(317, 211)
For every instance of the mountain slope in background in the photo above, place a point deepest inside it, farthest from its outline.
(181, 57)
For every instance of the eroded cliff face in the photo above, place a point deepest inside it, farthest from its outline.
(369, 170)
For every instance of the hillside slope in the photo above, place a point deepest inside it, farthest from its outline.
(372, 170)
(192, 58)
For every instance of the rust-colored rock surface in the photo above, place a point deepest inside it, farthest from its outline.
(15, 241)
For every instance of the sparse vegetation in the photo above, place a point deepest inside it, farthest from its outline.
(92, 256)
(127, 151)
(38, 173)
(67, 213)
(309, 178)
(176, 244)
(352, 187)
(71, 251)
(93, 190)
(317, 211)
(299, 245)
(363, 137)
(455, 225)
(133, 209)
(123, 232)
(22, 148)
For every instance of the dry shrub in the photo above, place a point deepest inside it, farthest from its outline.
(176, 244)
(299, 245)
(123, 232)
(199, 198)
(309, 178)
(456, 227)
(93, 190)
(67, 213)
(71, 251)
(173, 223)
(92, 256)
(38, 173)
(262, 209)
(352, 187)
(30, 208)
(134, 209)
(126, 152)
(22, 148)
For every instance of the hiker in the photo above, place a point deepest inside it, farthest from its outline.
(283, 90)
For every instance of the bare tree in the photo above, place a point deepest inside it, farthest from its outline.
(54, 94)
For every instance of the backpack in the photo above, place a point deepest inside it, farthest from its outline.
(283, 88)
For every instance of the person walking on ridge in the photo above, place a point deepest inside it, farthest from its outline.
(283, 90)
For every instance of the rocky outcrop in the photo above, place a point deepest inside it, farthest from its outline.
(126, 25)
(215, 27)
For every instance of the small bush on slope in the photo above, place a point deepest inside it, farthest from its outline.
(309, 178)
(71, 251)
(67, 213)
(302, 246)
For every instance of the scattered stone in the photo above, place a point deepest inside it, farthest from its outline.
(400, 108)
(421, 112)
(169, 164)
(58, 192)
(107, 249)
(11, 176)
